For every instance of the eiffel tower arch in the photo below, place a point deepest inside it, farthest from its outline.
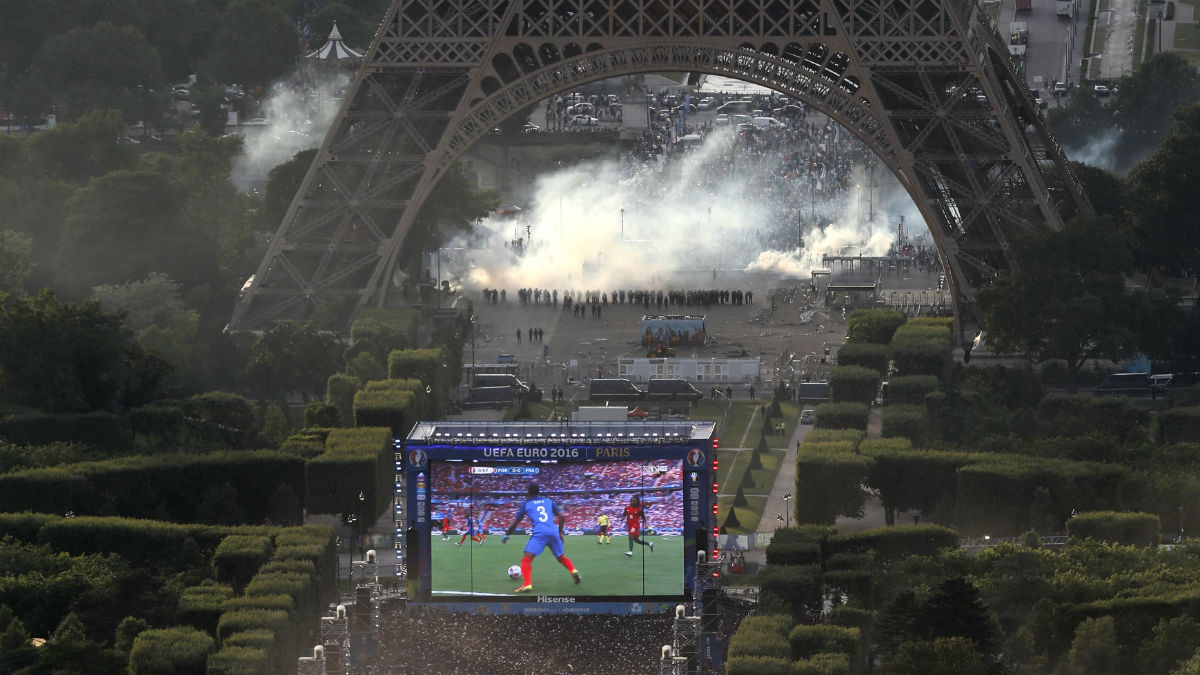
(926, 84)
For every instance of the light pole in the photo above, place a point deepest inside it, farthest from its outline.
(622, 223)
(787, 501)
(362, 498)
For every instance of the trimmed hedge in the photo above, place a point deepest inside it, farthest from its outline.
(201, 606)
(852, 436)
(759, 644)
(170, 651)
(829, 480)
(793, 553)
(239, 661)
(239, 556)
(793, 590)
(428, 367)
(865, 354)
(382, 404)
(239, 620)
(842, 416)
(910, 389)
(355, 460)
(822, 664)
(853, 384)
(757, 665)
(278, 601)
(873, 325)
(339, 391)
(1133, 529)
(921, 356)
(1005, 495)
(808, 641)
(24, 527)
(96, 429)
(1179, 425)
(895, 543)
(1084, 415)
(380, 331)
(904, 421)
(920, 480)
(165, 487)
(307, 443)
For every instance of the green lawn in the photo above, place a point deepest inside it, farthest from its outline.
(1187, 36)
(1192, 58)
(482, 569)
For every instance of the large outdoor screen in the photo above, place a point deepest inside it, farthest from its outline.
(473, 503)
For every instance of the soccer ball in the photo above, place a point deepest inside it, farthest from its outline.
(514, 572)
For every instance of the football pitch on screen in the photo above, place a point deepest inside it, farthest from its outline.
(604, 568)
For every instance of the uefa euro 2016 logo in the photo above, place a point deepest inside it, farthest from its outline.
(695, 457)
(417, 457)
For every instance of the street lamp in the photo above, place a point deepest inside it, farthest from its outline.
(362, 498)
(622, 223)
(787, 500)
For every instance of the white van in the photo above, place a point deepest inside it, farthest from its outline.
(766, 123)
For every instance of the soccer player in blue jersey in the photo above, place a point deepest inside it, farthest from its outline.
(547, 521)
(473, 531)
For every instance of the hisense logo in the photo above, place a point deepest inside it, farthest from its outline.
(553, 598)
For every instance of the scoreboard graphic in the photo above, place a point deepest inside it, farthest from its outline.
(465, 483)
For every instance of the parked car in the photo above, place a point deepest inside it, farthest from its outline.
(257, 122)
(765, 123)
(1101, 90)
(707, 103)
(807, 416)
(721, 120)
(583, 121)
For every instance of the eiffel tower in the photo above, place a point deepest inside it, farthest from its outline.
(928, 85)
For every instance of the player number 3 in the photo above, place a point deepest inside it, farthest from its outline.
(542, 516)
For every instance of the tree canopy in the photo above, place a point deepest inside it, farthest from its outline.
(1067, 299)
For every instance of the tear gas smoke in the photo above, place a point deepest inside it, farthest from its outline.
(299, 117)
(605, 225)
(1100, 150)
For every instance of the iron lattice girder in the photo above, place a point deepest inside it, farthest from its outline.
(926, 84)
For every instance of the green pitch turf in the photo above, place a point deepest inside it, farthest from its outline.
(605, 568)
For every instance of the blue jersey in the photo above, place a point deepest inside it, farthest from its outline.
(541, 512)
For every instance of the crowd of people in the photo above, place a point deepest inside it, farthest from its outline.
(436, 642)
(593, 302)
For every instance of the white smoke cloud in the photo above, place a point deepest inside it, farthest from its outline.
(298, 116)
(678, 222)
(1100, 150)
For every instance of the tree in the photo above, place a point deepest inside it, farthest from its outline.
(15, 262)
(291, 357)
(78, 151)
(1173, 641)
(451, 208)
(275, 428)
(1163, 197)
(1094, 649)
(1080, 121)
(1106, 191)
(956, 610)
(152, 301)
(255, 45)
(282, 183)
(1066, 299)
(99, 66)
(941, 656)
(127, 631)
(1147, 99)
(125, 225)
(68, 357)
